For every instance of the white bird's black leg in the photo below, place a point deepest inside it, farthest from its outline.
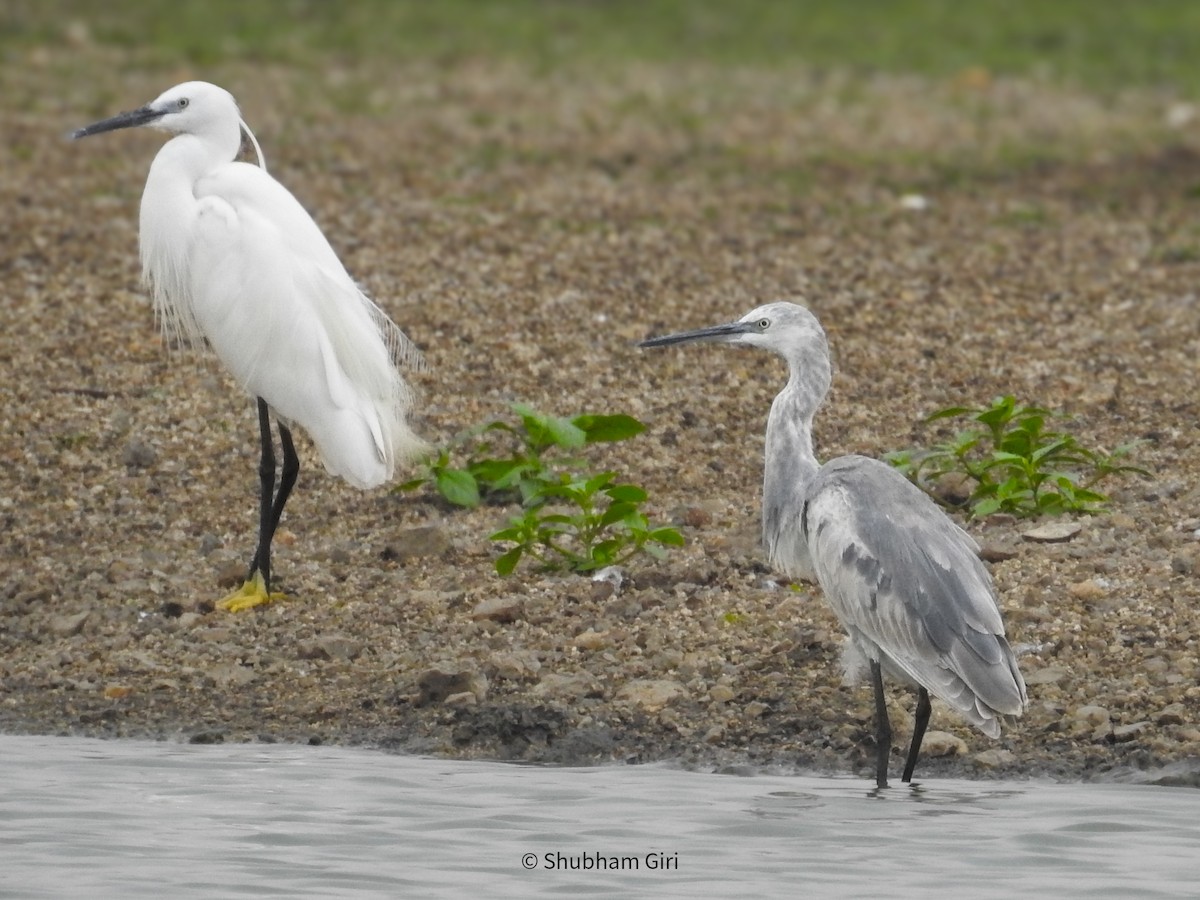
(921, 721)
(261, 563)
(257, 589)
(883, 727)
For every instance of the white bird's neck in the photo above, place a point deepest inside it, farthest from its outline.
(169, 208)
(791, 465)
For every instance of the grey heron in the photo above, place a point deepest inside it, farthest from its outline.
(905, 581)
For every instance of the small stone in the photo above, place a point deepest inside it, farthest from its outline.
(1086, 590)
(995, 757)
(117, 691)
(720, 693)
(651, 694)
(602, 590)
(118, 571)
(1186, 562)
(565, 687)
(1052, 532)
(417, 543)
(436, 685)
(498, 609)
(1092, 715)
(331, 647)
(68, 626)
(139, 455)
(592, 640)
(942, 743)
(997, 551)
(515, 665)
(1173, 714)
(714, 735)
(1048, 675)
(693, 516)
(755, 709)
(1124, 733)
(232, 675)
(465, 698)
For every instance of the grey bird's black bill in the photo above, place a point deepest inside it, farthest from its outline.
(713, 333)
(132, 119)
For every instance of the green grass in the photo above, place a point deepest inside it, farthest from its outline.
(1101, 45)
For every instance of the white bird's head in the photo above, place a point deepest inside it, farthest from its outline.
(194, 107)
(786, 329)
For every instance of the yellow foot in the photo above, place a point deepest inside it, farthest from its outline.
(252, 593)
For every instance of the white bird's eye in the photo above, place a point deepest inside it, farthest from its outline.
(763, 324)
(183, 102)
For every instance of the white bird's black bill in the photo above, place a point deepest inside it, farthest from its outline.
(132, 119)
(712, 333)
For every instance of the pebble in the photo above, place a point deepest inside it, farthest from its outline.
(1172, 714)
(498, 609)
(139, 455)
(1093, 715)
(651, 694)
(1123, 733)
(572, 687)
(1086, 590)
(331, 647)
(1048, 675)
(995, 757)
(68, 626)
(515, 665)
(720, 693)
(942, 743)
(592, 640)
(436, 685)
(1052, 532)
(417, 543)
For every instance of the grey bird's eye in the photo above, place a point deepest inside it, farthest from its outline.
(764, 324)
(183, 102)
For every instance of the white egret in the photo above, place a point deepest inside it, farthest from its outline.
(234, 261)
(905, 581)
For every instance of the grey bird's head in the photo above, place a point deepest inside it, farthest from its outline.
(786, 329)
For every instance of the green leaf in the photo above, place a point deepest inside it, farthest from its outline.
(412, 484)
(667, 535)
(986, 507)
(608, 428)
(458, 486)
(626, 493)
(508, 561)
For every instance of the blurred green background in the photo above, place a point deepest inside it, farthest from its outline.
(1104, 45)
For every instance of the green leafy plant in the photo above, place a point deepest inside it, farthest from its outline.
(572, 520)
(1014, 462)
(534, 455)
(583, 524)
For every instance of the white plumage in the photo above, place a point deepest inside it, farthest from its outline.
(235, 261)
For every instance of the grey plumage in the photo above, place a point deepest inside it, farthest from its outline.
(904, 580)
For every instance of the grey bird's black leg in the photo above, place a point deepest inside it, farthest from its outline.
(924, 708)
(883, 728)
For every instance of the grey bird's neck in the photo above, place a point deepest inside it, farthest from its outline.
(791, 467)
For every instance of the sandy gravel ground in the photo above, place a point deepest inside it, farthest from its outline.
(526, 231)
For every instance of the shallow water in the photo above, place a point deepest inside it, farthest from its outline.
(88, 818)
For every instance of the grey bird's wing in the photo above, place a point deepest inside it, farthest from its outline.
(909, 587)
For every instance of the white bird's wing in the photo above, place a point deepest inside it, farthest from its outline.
(909, 587)
(280, 310)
